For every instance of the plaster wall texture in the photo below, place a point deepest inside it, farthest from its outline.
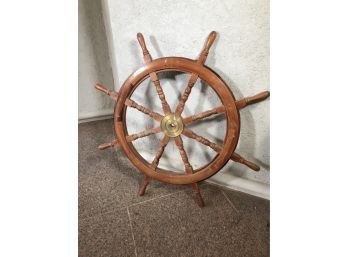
(94, 62)
(240, 55)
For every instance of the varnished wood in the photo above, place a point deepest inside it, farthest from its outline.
(252, 99)
(152, 114)
(213, 80)
(183, 154)
(237, 158)
(131, 138)
(144, 133)
(146, 54)
(184, 97)
(153, 75)
(189, 170)
(193, 78)
(107, 145)
(217, 148)
(208, 43)
(218, 110)
(160, 151)
(230, 107)
(111, 93)
(160, 93)
(197, 195)
(130, 103)
(144, 185)
(189, 133)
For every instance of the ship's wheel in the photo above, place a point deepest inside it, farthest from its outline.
(171, 123)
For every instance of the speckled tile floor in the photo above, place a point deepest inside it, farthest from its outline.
(115, 221)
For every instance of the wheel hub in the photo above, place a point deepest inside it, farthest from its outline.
(172, 125)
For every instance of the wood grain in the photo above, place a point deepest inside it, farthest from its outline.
(227, 100)
(217, 148)
(193, 78)
(130, 103)
(160, 151)
(196, 69)
(252, 99)
(144, 133)
(199, 116)
(189, 170)
(108, 145)
(153, 75)
(237, 158)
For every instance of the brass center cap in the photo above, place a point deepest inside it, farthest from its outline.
(172, 125)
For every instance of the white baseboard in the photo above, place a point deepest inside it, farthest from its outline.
(97, 115)
(247, 186)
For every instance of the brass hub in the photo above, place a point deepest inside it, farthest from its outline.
(172, 125)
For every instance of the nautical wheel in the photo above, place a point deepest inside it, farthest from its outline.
(173, 125)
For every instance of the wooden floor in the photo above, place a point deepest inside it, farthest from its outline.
(115, 221)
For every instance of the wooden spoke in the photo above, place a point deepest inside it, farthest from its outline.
(189, 170)
(237, 158)
(189, 133)
(130, 103)
(146, 54)
(160, 151)
(156, 82)
(105, 90)
(203, 115)
(131, 138)
(107, 145)
(183, 154)
(143, 109)
(153, 75)
(144, 185)
(197, 195)
(193, 78)
(144, 133)
(217, 148)
(184, 97)
(252, 99)
(208, 43)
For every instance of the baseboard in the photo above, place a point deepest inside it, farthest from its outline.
(247, 186)
(97, 115)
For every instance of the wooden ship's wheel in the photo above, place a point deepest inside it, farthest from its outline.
(171, 123)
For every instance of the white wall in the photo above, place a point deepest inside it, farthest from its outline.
(94, 62)
(240, 55)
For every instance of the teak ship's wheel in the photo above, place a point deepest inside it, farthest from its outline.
(171, 123)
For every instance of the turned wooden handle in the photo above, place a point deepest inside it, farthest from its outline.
(251, 165)
(258, 97)
(107, 145)
(252, 99)
(102, 88)
(210, 40)
(141, 41)
(237, 158)
(111, 93)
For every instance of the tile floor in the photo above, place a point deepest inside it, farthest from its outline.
(115, 221)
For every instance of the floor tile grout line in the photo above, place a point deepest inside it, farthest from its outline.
(247, 225)
(133, 204)
(155, 198)
(130, 205)
(130, 223)
(102, 213)
(229, 200)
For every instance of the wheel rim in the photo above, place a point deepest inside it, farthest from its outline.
(222, 91)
